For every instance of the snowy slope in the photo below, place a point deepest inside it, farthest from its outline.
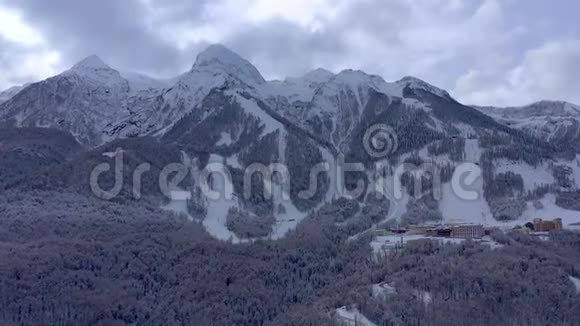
(550, 210)
(216, 67)
(143, 83)
(218, 206)
(337, 105)
(296, 89)
(576, 282)
(551, 120)
(574, 166)
(350, 90)
(460, 209)
(262, 127)
(352, 317)
(534, 177)
(418, 84)
(7, 94)
(219, 59)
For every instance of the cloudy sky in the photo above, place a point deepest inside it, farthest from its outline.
(488, 52)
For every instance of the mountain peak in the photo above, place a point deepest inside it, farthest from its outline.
(354, 78)
(219, 58)
(354, 74)
(94, 69)
(416, 83)
(319, 74)
(91, 62)
(217, 51)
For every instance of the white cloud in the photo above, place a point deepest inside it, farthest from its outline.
(13, 29)
(30, 64)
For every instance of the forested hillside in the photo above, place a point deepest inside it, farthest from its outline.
(68, 259)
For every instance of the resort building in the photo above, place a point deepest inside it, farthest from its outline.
(546, 226)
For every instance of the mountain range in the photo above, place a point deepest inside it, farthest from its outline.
(223, 110)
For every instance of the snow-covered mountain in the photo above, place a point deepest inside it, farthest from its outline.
(153, 113)
(81, 100)
(555, 121)
(97, 103)
(222, 110)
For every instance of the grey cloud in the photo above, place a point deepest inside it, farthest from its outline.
(6, 55)
(182, 11)
(123, 34)
(548, 72)
(552, 69)
(366, 34)
(116, 30)
(280, 48)
(389, 38)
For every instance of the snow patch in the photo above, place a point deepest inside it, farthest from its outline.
(575, 166)
(533, 176)
(576, 282)
(112, 154)
(456, 209)
(291, 216)
(250, 106)
(472, 151)
(225, 139)
(383, 289)
(282, 144)
(234, 162)
(424, 296)
(332, 192)
(465, 130)
(352, 317)
(178, 203)
(217, 209)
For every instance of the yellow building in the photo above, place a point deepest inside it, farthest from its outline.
(546, 226)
